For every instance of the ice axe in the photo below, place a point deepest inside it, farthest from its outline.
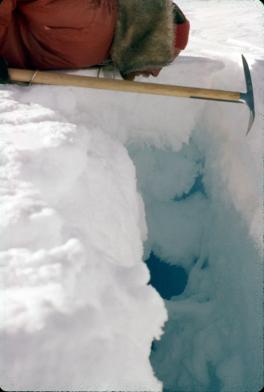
(62, 79)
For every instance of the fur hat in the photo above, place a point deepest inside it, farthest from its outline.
(144, 35)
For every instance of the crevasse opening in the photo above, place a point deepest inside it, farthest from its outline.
(198, 250)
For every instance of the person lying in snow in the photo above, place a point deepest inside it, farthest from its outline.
(136, 36)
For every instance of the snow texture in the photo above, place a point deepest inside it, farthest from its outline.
(74, 292)
(92, 182)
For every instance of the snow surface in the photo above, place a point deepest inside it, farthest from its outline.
(91, 182)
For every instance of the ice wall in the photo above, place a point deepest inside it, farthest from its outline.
(213, 339)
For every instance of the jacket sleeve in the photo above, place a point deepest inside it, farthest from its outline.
(6, 9)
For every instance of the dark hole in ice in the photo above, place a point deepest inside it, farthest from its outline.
(168, 280)
(205, 265)
(198, 186)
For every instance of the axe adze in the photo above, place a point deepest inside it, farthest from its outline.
(62, 79)
(248, 96)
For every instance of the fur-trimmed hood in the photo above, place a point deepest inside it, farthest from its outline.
(144, 35)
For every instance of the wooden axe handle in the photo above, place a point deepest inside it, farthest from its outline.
(62, 79)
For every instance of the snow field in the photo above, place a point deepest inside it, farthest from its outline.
(81, 187)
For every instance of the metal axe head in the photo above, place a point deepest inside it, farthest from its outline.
(248, 96)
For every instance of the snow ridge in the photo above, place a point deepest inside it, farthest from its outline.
(73, 283)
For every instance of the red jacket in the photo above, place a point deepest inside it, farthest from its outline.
(78, 34)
